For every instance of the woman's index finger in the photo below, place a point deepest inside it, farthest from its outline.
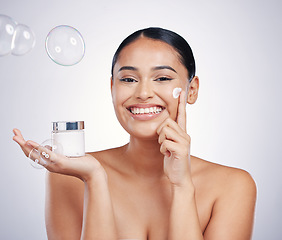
(181, 116)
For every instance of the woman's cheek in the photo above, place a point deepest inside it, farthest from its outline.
(119, 94)
(171, 103)
(117, 100)
(173, 111)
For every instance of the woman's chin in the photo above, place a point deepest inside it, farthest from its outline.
(144, 133)
(146, 137)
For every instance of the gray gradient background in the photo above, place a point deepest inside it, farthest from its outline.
(236, 120)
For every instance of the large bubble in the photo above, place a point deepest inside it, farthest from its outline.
(65, 45)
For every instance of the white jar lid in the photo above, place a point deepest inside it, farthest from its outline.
(64, 126)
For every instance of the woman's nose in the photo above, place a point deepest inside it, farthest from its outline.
(144, 90)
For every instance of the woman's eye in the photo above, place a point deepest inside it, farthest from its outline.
(163, 79)
(127, 80)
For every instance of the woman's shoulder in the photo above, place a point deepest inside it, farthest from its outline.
(69, 182)
(225, 178)
(106, 152)
(231, 195)
(110, 158)
(107, 156)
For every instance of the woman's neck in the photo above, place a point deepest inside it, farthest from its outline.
(144, 157)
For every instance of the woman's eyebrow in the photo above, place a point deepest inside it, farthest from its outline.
(128, 68)
(164, 67)
(154, 68)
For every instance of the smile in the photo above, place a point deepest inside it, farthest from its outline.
(149, 110)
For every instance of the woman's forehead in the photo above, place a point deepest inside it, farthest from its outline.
(149, 52)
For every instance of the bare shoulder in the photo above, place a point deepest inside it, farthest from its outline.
(222, 175)
(68, 190)
(64, 201)
(224, 178)
(67, 183)
(232, 194)
(109, 158)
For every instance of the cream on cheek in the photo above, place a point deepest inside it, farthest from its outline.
(176, 92)
(171, 103)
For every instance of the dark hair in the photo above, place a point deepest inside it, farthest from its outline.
(167, 36)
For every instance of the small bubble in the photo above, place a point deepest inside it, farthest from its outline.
(17, 39)
(7, 28)
(23, 40)
(35, 158)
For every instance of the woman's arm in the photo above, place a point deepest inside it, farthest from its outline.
(232, 216)
(184, 221)
(175, 145)
(63, 206)
(77, 210)
(98, 217)
(233, 212)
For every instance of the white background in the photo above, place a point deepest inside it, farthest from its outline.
(236, 120)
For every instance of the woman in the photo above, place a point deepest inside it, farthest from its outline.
(151, 188)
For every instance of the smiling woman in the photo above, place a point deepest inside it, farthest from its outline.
(150, 188)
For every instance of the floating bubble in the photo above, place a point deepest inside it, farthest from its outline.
(36, 154)
(23, 40)
(65, 45)
(7, 29)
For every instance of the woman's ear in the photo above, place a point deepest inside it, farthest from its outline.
(193, 90)
(111, 83)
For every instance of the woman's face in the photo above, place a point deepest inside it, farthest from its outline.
(144, 77)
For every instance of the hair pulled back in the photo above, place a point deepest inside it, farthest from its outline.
(173, 39)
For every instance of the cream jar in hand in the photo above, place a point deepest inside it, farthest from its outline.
(71, 136)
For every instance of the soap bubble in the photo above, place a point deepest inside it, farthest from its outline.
(23, 41)
(36, 160)
(65, 45)
(17, 39)
(7, 29)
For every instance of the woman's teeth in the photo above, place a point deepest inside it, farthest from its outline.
(152, 110)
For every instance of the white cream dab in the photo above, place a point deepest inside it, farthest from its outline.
(176, 92)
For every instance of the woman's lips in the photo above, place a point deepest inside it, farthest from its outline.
(145, 112)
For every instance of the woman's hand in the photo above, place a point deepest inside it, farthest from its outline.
(175, 146)
(85, 168)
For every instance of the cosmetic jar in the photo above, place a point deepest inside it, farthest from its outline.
(71, 136)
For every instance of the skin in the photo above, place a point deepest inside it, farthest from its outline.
(151, 188)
